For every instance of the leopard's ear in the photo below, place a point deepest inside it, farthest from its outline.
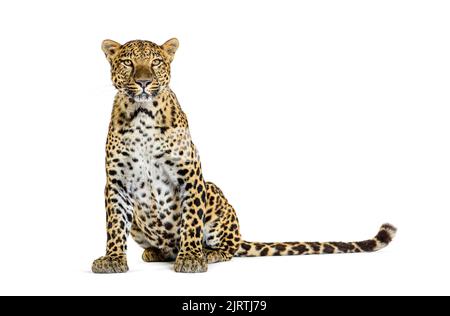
(110, 48)
(170, 47)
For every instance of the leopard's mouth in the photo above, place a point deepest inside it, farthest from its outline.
(143, 96)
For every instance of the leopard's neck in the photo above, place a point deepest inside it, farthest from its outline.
(162, 111)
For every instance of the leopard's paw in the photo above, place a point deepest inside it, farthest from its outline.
(154, 255)
(215, 255)
(190, 264)
(110, 264)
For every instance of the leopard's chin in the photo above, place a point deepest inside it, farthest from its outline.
(143, 97)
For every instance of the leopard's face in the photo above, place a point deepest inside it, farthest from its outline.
(140, 69)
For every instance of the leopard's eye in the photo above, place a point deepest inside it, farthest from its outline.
(127, 62)
(156, 62)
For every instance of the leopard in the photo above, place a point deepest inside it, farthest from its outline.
(155, 190)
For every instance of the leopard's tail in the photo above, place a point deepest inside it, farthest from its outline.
(256, 249)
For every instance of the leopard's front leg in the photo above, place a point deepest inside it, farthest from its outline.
(119, 216)
(192, 189)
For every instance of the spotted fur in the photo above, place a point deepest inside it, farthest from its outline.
(155, 189)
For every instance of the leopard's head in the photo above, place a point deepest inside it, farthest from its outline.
(140, 69)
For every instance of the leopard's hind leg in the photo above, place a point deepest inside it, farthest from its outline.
(222, 237)
(150, 254)
(223, 246)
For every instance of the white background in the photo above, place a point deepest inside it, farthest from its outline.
(320, 120)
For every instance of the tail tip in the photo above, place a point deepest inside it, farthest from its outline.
(386, 233)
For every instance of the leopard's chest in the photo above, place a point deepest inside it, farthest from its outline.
(142, 145)
(148, 178)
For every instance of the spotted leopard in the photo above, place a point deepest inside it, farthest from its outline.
(155, 189)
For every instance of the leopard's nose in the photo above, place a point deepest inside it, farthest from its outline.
(143, 83)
